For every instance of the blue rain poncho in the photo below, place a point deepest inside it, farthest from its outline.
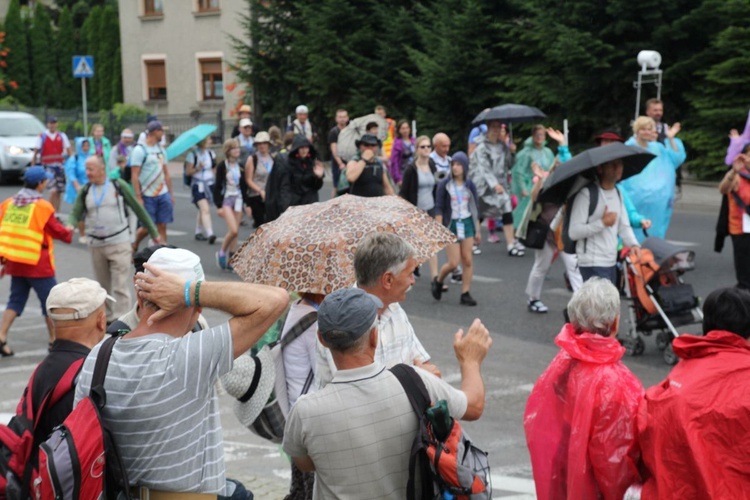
(652, 191)
(75, 170)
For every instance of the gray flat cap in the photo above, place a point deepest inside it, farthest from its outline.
(349, 310)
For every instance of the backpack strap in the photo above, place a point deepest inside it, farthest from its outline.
(64, 386)
(298, 329)
(100, 372)
(419, 398)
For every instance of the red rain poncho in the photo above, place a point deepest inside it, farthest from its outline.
(695, 426)
(580, 421)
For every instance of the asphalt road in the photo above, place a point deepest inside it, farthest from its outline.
(523, 342)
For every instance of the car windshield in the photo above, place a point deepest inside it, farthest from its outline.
(19, 127)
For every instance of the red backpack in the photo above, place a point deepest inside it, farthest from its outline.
(17, 444)
(80, 461)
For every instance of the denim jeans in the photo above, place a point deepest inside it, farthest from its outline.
(609, 273)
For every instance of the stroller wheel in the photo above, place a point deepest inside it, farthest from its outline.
(663, 339)
(669, 356)
(633, 346)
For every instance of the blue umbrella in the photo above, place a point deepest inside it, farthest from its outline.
(188, 139)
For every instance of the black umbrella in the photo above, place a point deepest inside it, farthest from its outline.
(562, 184)
(509, 113)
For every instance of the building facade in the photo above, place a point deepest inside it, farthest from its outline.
(176, 54)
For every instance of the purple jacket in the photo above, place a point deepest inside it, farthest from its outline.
(398, 160)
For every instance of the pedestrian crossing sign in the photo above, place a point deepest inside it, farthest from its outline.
(83, 66)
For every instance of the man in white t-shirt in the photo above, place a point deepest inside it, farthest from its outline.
(356, 433)
(162, 405)
(596, 236)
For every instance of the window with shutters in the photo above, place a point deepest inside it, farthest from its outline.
(208, 5)
(212, 79)
(156, 80)
(153, 8)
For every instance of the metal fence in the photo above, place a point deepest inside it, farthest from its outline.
(70, 121)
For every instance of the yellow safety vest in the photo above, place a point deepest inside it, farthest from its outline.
(22, 231)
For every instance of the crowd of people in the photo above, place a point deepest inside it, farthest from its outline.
(591, 428)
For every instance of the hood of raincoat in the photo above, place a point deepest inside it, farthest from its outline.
(461, 158)
(300, 141)
(589, 347)
(580, 421)
(715, 342)
(79, 147)
(691, 423)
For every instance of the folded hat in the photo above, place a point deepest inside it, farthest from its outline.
(178, 261)
(250, 382)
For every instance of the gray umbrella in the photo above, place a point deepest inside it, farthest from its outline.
(561, 184)
(346, 147)
(509, 113)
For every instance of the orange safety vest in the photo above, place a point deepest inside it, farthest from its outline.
(22, 233)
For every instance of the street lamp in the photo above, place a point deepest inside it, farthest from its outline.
(649, 60)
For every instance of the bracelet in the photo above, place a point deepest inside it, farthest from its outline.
(197, 294)
(187, 293)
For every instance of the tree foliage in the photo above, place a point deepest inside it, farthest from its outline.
(17, 43)
(442, 62)
(68, 92)
(44, 69)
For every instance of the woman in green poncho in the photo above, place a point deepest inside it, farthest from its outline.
(534, 151)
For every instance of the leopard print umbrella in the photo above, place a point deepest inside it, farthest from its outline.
(310, 248)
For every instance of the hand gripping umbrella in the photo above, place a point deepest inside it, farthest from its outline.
(346, 147)
(310, 248)
(188, 139)
(565, 181)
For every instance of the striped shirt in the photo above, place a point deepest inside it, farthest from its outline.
(162, 408)
(358, 430)
(397, 343)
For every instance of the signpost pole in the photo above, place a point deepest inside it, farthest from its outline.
(85, 112)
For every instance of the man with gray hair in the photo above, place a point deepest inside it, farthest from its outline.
(367, 405)
(122, 148)
(586, 388)
(384, 266)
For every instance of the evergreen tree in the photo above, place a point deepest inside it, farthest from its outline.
(16, 41)
(91, 46)
(44, 58)
(117, 77)
(68, 93)
(109, 41)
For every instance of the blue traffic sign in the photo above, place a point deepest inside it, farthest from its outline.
(83, 66)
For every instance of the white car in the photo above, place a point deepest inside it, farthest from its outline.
(18, 136)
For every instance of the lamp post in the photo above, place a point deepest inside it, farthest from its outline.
(649, 60)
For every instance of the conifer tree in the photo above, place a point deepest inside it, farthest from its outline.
(16, 41)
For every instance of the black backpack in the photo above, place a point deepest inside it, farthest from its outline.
(569, 246)
(127, 173)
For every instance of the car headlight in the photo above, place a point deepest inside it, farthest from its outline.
(14, 150)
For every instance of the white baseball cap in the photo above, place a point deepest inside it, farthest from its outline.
(301, 109)
(178, 261)
(82, 295)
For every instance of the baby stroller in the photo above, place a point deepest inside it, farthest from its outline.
(659, 299)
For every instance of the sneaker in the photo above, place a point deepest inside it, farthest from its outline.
(537, 306)
(476, 250)
(467, 299)
(517, 244)
(515, 251)
(200, 237)
(493, 238)
(212, 239)
(457, 278)
(436, 289)
(221, 261)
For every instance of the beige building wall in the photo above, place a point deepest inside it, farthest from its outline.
(181, 37)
